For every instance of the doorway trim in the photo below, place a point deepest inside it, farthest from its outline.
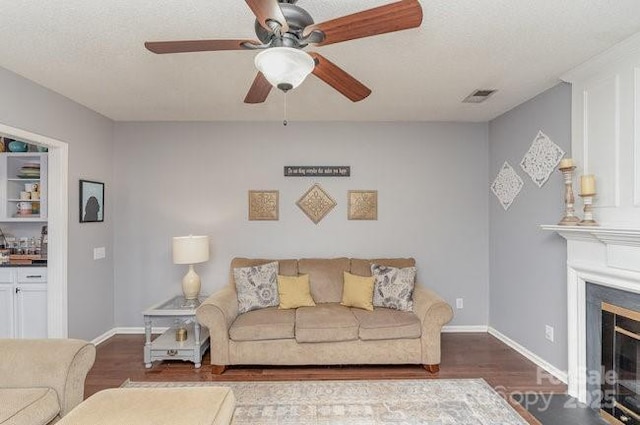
(58, 225)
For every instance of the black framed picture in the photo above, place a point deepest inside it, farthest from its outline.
(91, 201)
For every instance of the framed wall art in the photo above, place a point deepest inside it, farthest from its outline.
(363, 204)
(263, 205)
(316, 203)
(91, 201)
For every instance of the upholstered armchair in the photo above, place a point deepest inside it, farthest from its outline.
(42, 380)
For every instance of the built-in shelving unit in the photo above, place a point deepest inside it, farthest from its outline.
(18, 174)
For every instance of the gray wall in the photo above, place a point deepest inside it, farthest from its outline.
(174, 179)
(527, 264)
(168, 179)
(26, 105)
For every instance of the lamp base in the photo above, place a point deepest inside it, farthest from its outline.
(191, 284)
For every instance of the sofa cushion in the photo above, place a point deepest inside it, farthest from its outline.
(325, 276)
(325, 323)
(358, 291)
(28, 406)
(285, 267)
(385, 323)
(257, 286)
(394, 287)
(362, 267)
(267, 323)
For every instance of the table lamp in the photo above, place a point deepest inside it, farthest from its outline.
(190, 250)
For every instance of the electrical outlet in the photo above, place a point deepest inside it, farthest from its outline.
(459, 303)
(99, 253)
(548, 332)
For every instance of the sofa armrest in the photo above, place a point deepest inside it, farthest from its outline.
(434, 313)
(60, 364)
(218, 313)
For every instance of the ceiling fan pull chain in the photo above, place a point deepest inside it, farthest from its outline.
(284, 121)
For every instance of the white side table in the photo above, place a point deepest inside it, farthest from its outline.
(165, 347)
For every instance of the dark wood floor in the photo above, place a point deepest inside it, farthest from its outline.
(464, 355)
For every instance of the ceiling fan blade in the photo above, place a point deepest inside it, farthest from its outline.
(185, 46)
(339, 79)
(392, 17)
(268, 10)
(259, 90)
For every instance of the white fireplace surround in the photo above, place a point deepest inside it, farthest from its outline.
(606, 256)
(605, 142)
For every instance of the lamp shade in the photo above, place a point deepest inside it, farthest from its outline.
(284, 67)
(190, 249)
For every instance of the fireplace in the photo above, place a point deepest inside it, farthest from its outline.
(620, 380)
(603, 265)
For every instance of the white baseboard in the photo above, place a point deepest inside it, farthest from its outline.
(561, 375)
(105, 336)
(465, 328)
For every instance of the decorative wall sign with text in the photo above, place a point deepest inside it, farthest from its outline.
(317, 171)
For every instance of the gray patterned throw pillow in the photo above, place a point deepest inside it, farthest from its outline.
(393, 287)
(257, 286)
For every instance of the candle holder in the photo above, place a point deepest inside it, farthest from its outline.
(569, 218)
(588, 210)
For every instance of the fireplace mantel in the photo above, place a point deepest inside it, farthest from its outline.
(606, 235)
(604, 255)
(622, 244)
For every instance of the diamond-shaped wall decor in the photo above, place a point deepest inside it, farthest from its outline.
(507, 185)
(316, 203)
(541, 159)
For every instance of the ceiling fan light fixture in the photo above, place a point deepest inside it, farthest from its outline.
(284, 67)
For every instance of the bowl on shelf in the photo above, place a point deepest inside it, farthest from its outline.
(43, 149)
(18, 146)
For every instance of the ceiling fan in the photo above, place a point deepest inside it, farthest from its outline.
(284, 29)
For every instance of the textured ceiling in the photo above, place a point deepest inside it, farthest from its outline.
(92, 52)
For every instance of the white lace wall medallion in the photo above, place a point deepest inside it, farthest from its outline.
(507, 185)
(541, 159)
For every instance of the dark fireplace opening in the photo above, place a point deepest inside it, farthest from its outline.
(620, 382)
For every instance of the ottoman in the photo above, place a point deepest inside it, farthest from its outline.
(155, 406)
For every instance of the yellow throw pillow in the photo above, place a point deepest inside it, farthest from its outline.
(358, 291)
(294, 292)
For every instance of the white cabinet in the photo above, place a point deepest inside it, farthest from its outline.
(23, 302)
(7, 322)
(23, 176)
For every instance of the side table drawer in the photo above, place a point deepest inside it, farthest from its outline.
(171, 353)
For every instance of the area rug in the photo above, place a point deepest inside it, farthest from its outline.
(426, 402)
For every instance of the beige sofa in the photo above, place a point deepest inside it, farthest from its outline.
(42, 380)
(328, 334)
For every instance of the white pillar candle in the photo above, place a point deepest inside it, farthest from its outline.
(566, 163)
(588, 185)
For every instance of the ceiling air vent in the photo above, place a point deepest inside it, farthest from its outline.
(479, 96)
